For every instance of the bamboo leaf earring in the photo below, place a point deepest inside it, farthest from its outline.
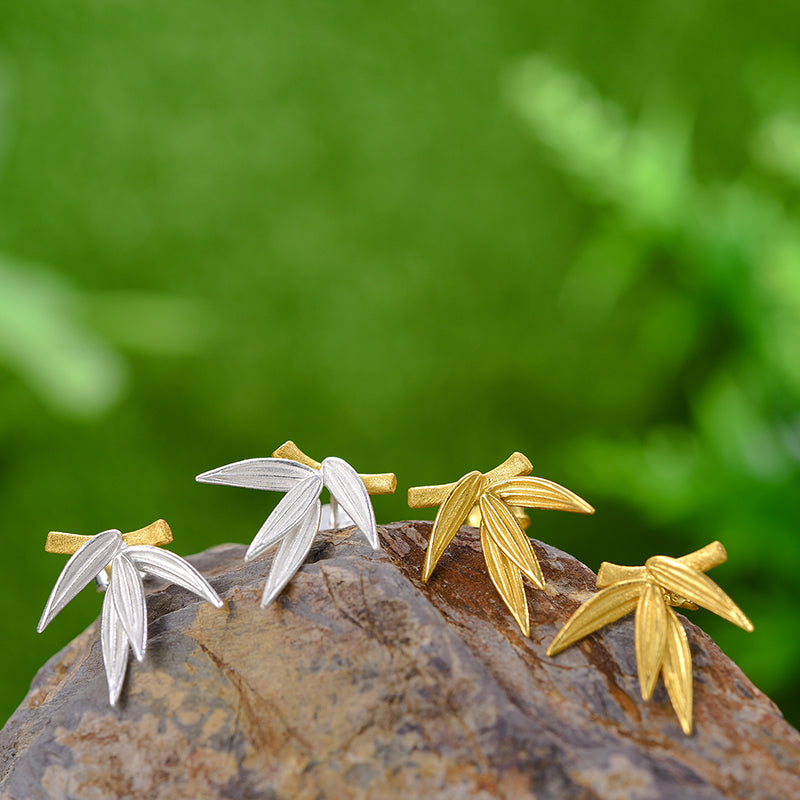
(660, 639)
(297, 518)
(118, 561)
(506, 547)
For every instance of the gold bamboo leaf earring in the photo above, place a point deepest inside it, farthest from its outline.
(661, 642)
(498, 495)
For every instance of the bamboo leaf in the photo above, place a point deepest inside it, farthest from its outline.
(530, 492)
(696, 587)
(651, 637)
(171, 567)
(287, 514)
(677, 671)
(291, 554)
(114, 642)
(607, 606)
(452, 514)
(128, 595)
(506, 577)
(269, 474)
(344, 483)
(502, 526)
(90, 559)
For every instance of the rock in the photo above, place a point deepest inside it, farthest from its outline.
(362, 682)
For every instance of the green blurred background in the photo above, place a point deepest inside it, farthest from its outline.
(418, 235)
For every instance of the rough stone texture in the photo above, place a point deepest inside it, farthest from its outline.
(362, 682)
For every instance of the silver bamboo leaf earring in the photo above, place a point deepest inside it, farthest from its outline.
(299, 516)
(118, 561)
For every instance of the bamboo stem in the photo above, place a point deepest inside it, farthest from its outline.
(613, 573)
(376, 483)
(156, 533)
(425, 496)
(704, 559)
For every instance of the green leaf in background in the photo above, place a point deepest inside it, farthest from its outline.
(43, 339)
(727, 468)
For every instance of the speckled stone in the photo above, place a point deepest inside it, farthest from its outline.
(361, 682)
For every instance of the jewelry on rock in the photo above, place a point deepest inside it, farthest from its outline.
(498, 495)
(297, 518)
(660, 638)
(118, 561)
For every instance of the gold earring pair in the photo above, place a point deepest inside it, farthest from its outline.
(494, 500)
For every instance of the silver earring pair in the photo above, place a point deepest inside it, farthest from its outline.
(118, 562)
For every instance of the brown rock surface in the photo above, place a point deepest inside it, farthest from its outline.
(361, 682)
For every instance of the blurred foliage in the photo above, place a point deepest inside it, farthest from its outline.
(44, 342)
(60, 341)
(725, 327)
(392, 234)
